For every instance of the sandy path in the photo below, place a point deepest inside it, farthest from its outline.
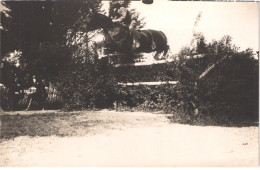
(137, 139)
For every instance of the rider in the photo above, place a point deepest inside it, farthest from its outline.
(119, 13)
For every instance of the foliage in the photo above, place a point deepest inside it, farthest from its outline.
(227, 94)
(53, 40)
(86, 84)
(40, 31)
(157, 72)
(230, 88)
(233, 87)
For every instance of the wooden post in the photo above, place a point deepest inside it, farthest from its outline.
(1, 87)
(145, 63)
(116, 105)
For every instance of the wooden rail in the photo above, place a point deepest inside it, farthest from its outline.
(145, 63)
(149, 83)
(211, 67)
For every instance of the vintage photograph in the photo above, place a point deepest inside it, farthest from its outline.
(121, 83)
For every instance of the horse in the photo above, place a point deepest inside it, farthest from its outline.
(123, 40)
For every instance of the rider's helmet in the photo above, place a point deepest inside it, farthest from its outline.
(114, 7)
(119, 3)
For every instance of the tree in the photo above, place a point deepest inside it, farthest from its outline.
(39, 29)
(53, 38)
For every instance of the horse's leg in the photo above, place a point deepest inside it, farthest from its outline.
(156, 56)
(165, 50)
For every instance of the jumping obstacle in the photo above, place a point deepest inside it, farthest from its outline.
(134, 84)
(158, 83)
(156, 62)
(147, 63)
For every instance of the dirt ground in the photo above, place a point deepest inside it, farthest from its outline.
(108, 138)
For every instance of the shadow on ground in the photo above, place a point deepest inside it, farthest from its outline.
(47, 124)
(91, 122)
(214, 121)
(217, 119)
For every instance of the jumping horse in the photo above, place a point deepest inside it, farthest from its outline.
(123, 40)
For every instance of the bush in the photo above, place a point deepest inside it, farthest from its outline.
(87, 85)
(233, 87)
(228, 93)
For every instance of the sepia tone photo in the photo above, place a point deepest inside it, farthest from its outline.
(121, 83)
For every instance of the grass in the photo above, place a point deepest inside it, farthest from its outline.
(47, 124)
(60, 123)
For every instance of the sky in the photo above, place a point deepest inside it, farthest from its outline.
(176, 19)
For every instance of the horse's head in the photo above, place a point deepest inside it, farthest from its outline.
(95, 21)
